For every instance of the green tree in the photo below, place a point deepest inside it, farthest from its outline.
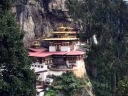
(16, 78)
(122, 88)
(52, 92)
(107, 61)
(6, 4)
(66, 84)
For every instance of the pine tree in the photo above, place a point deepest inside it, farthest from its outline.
(108, 20)
(16, 78)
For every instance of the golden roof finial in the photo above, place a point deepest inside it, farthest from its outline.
(36, 43)
(61, 27)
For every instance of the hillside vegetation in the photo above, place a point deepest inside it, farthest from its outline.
(16, 78)
(68, 85)
(107, 60)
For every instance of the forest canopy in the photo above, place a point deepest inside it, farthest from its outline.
(16, 78)
(107, 61)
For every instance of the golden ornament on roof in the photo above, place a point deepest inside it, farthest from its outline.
(36, 43)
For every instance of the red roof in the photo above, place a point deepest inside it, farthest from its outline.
(68, 53)
(41, 54)
(75, 53)
(45, 54)
(38, 49)
(58, 53)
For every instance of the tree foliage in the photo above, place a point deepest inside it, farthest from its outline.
(66, 84)
(107, 61)
(122, 88)
(16, 78)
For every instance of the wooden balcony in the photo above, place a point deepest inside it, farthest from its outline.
(59, 62)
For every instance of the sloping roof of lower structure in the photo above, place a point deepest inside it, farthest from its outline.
(45, 54)
(39, 54)
(75, 53)
(58, 53)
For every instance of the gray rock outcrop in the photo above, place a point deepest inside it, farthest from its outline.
(39, 17)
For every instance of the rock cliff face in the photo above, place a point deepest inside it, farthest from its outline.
(39, 17)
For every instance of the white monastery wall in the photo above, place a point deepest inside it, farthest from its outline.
(67, 62)
(56, 73)
(79, 63)
(40, 67)
(65, 48)
(42, 76)
(40, 94)
(52, 48)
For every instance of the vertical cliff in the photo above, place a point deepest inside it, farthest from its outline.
(39, 17)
